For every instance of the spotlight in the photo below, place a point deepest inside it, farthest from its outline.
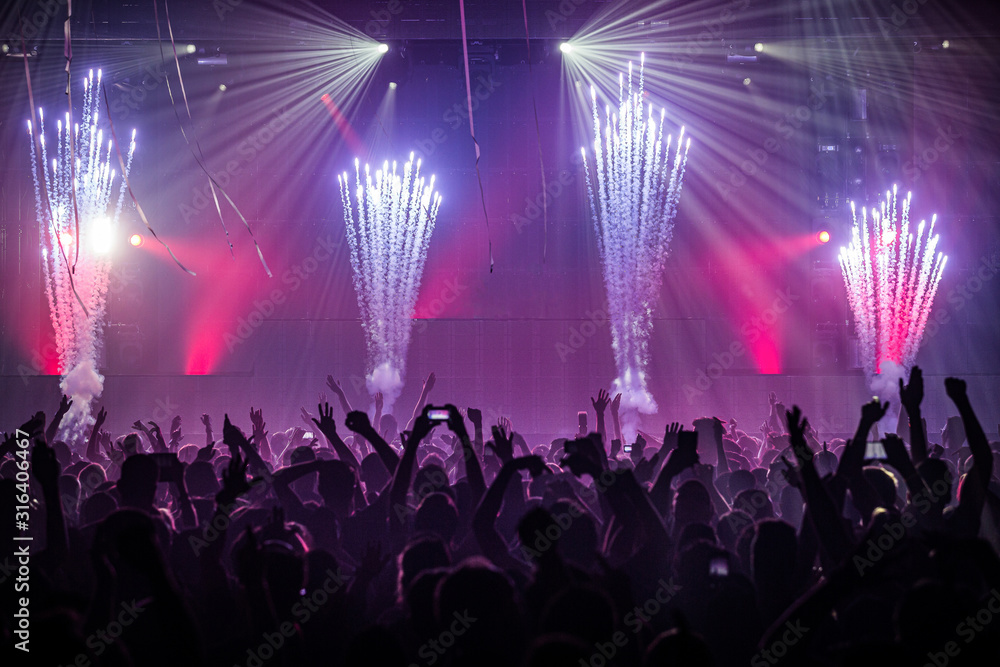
(566, 47)
(392, 85)
(5, 48)
(746, 81)
(382, 48)
(944, 45)
(103, 237)
(135, 240)
(191, 48)
(823, 236)
(223, 87)
(759, 47)
(66, 238)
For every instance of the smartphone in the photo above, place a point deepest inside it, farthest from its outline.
(874, 451)
(581, 419)
(165, 462)
(627, 448)
(687, 439)
(308, 435)
(718, 567)
(437, 414)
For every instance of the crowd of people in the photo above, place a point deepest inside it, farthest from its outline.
(447, 541)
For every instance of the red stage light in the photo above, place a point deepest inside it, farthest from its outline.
(823, 236)
(135, 240)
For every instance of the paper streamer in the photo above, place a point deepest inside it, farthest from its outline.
(472, 127)
(39, 166)
(200, 156)
(128, 185)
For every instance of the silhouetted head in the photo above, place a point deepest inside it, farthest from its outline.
(437, 514)
(692, 504)
(420, 554)
(137, 484)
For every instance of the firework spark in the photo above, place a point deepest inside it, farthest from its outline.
(78, 183)
(634, 189)
(388, 231)
(891, 276)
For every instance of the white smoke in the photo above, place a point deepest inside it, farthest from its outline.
(636, 401)
(83, 384)
(387, 380)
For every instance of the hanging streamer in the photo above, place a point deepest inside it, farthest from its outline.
(128, 185)
(68, 55)
(472, 127)
(538, 136)
(200, 156)
(38, 167)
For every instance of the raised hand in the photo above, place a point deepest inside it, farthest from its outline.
(206, 453)
(797, 425)
(670, 436)
(679, 460)
(955, 388)
(502, 444)
(872, 411)
(325, 422)
(234, 480)
(358, 422)
(644, 467)
(582, 457)
(379, 401)
(334, 386)
(772, 399)
(257, 419)
(175, 429)
(616, 403)
(911, 394)
(601, 402)
(139, 426)
(206, 420)
(475, 416)
(233, 436)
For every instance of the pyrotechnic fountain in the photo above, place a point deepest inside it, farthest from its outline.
(634, 190)
(891, 276)
(77, 187)
(388, 232)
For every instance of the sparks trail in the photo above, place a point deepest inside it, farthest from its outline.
(77, 331)
(891, 276)
(389, 231)
(634, 190)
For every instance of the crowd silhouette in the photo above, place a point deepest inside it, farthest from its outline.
(454, 542)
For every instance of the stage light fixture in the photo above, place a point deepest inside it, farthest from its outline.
(223, 87)
(392, 85)
(746, 81)
(823, 236)
(191, 48)
(382, 48)
(135, 240)
(566, 47)
(759, 47)
(945, 44)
